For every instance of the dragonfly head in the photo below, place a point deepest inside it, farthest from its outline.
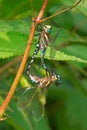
(56, 79)
(47, 29)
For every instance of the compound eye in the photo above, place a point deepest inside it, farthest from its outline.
(48, 30)
(58, 81)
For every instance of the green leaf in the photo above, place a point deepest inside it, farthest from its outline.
(13, 37)
(12, 44)
(62, 57)
(75, 50)
(16, 26)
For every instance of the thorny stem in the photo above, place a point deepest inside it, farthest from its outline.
(23, 62)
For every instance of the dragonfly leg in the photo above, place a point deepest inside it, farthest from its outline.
(39, 28)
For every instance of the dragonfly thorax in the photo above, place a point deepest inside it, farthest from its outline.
(47, 28)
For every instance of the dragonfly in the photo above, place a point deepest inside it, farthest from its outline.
(33, 99)
(44, 40)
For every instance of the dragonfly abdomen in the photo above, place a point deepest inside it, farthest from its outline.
(32, 59)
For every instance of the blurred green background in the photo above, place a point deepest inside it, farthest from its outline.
(66, 105)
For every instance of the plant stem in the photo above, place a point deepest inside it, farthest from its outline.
(41, 11)
(8, 65)
(17, 78)
(23, 62)
(61, 11)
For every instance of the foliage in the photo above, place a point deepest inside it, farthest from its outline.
(66, 105)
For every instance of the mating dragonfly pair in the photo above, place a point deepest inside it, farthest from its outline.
(44, 40)
(33, 99)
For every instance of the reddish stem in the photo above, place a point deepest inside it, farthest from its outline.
(19, 73)
(41, 11)
(23, 63)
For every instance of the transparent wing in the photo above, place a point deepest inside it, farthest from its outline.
(32, 101)
(55, 33)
